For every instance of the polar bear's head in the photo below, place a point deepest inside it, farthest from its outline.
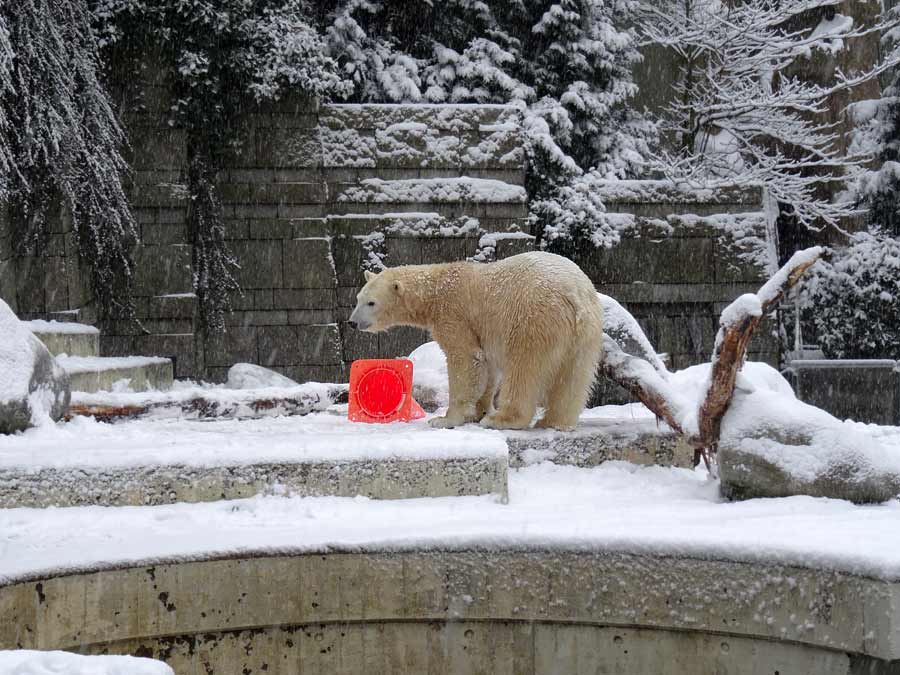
(379, 304)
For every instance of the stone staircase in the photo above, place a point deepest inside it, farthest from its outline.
(77, 350)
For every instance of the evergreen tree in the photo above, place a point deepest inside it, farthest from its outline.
(567, 65)
(60, 140)
(853, 300)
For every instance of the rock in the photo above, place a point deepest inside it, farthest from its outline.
(773, 445)
(250, 376)
(33, 386)
(745, 475)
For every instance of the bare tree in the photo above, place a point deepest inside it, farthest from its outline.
(739, 115)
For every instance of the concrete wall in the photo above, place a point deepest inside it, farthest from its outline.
(861, 390)
(476, 611)
(304, 223)
(679, 264)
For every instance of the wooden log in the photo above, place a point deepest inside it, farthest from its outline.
(643, 381)
(650, 385)
(209, 404)
(737, 324)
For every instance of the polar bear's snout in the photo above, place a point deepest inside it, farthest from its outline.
(361, 318)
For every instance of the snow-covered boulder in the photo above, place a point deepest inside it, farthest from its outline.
(773, 445)
(431, 386)
(30, 662)
(32, 386)
(250, 376)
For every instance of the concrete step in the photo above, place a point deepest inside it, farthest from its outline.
(72, 339)
(105, 373)
(165, 460)
(151, 462)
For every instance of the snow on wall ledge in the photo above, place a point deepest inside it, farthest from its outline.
(422, 136)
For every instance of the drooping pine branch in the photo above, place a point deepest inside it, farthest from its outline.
(61, 141)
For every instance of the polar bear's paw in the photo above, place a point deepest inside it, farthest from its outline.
(545, 423)
(445, 422)
(500, 421)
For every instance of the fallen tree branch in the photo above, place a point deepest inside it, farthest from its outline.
(643, 381)
(648, 381)
(208, 403)
(736, 327)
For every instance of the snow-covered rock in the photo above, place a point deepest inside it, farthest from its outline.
(773, 445)
(431, 386)
(33, 387)
(250, 376)
(29, 662)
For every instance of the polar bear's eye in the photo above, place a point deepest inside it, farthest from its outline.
(371, 304)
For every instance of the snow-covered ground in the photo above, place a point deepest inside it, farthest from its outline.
(616, 507)
(27, 662)
(325, 436)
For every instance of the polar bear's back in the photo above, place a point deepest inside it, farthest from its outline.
(545, 290)
(539, 275)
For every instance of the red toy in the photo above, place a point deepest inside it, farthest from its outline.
(381, 391)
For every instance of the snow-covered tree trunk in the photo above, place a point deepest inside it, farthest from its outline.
(644, 377)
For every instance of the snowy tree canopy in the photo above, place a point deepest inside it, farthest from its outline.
(567, 65)
(742, 116)
(60, 139)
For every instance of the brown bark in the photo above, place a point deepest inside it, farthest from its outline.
(731, 349)
(653, 390)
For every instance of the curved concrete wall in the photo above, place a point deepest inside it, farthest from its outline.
(469, 611)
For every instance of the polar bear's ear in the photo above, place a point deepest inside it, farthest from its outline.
(369, 276)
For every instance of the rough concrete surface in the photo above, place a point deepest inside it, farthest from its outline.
(489, 611)
(151, 485)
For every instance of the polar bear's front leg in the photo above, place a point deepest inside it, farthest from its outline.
(467, 374)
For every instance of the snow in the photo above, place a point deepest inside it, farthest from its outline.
(615, 507)
(29, 662)
(434, 190)
(430, 372)
(17, 355)
(92, 364)
(60, 327)
(806, 442)
(772, 288)
(826, 36)
(744, 306)
(619, 323)
(324, 436)
(251, 376)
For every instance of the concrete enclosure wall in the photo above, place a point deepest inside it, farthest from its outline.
(314, 194)
(476, 611)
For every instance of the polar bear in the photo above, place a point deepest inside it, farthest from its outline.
(531, 324)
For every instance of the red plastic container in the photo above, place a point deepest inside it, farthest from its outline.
(381, 392)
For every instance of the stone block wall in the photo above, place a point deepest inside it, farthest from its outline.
(315, 194)
(53, 281)
(312, 195)
(679, 264)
